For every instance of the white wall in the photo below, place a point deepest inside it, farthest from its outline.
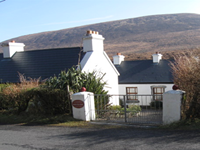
(96, 59)
(100, 62)
(143, 89)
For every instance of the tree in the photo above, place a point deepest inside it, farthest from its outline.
(186, 73)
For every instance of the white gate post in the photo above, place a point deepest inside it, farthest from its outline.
(83, 106)
(172, 106)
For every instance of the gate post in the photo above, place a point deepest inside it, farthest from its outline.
(172, 106)
(83, 106)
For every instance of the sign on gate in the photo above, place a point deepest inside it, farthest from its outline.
(78, 103)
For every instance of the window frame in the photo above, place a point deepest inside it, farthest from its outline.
(132, 94)
(158, 96)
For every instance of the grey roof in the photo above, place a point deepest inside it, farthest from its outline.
(38, 63)
(144, 71)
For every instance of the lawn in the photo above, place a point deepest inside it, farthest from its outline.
(29, 119)
(68, 121)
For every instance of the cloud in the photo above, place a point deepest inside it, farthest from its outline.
(77, 21)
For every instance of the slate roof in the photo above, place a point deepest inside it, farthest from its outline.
(38, 63)
(144, 72)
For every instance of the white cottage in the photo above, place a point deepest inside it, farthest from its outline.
(50, 62)
(144, 77)
(95, 58)
(123, 77)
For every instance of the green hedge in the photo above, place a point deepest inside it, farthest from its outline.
(51, 101)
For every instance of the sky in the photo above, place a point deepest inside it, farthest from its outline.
(23, 17)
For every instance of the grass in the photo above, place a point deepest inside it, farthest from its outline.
(57, 120)
(28, 119)
(184, 125)
(68, 121)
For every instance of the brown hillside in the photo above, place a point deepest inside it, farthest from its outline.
(136, 38)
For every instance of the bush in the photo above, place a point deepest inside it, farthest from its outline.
(75, 80)
(14, 97)
(116, 108)
(2, 104)
(51, 101)
(53, 97)
(186, 73)
(132, 109)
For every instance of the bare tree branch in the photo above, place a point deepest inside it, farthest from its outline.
(2, 1)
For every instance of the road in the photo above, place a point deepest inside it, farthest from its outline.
(17, 137)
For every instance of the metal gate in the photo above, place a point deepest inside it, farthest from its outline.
(144, 109)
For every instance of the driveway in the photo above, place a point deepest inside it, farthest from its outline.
(16, 137)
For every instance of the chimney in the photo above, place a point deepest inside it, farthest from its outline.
(93, 41)
(10, 48)
(117, 59)
(157, 57)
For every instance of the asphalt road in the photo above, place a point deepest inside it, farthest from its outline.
(16, 137)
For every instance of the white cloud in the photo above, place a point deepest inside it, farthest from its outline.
(77, 21)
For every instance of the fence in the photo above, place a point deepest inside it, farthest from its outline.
(144, 109)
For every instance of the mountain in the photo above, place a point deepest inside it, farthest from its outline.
(131, 37)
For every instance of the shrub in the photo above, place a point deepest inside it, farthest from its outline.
(186, 73)
(17, 96)
(2, 104)
(116, 108)
(51, 101)
(75, 80)
(132, 109)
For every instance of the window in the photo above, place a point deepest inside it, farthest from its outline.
(131, 92)
(157, 93)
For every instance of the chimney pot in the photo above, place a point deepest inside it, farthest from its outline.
(93, 42)
(89, 32)
(118, 53)
(11, 48)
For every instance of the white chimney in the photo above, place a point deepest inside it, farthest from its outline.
(117, 59)
(93, 42)
(11, 48)
(157, 57)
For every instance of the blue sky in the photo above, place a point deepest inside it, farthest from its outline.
(22, 17)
